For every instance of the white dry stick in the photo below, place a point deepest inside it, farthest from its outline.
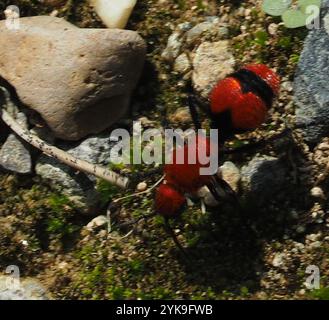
(58, 154)
(140, 193)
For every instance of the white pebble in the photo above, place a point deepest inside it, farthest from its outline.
(142, 186)
(323, 146)
(96, 222)
(317, 192)
(24, 243)
(114, 13)
(316, 244)
(278, 260)
(313, 237)
(272, 29)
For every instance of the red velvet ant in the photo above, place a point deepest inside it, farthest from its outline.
(238, 103)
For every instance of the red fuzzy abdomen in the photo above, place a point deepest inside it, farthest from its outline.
(247, 110)
(168, 201)
(186, 175)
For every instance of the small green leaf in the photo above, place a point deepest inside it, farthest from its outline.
(294, 18)
(304, 4)
(261, 37)
(275, 7)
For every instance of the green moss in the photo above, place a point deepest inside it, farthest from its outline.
(294, 58)
(136, 267)
(59, 202)
(320, 294)
(261, 37)
(181, 4)
(161, 294)
(244, 291)
(285, 42)
(107, 191)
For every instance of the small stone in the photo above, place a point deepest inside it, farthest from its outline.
(312, 237)
(273, 29)
(97, 222)
(181, 116)
(323, 146)
(142, 186)
(103, 234)
(174, 45)
(317, 192)
(278, 260)
(63, 265)
(114, 13)
(263, 177)
(15, 156)
(213, 19)
(212, 62)
(185, 26)
(243, 29)
(182, 64)
(146, 122)
(247, 13)
(300, 246)
(231, 174)
(25, 243)
(14, 153)
(197, 31)
(287, 86)
(316, 244)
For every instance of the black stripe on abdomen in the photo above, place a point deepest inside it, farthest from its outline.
(251, 82)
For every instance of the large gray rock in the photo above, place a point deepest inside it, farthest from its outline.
(79, 187)
(79, 80)
(311, 83)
